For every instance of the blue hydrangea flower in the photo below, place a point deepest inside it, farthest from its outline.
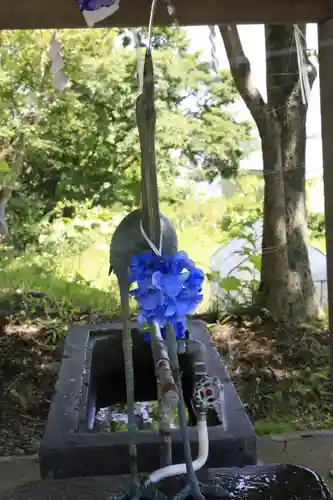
(167, 289)
(92, 5)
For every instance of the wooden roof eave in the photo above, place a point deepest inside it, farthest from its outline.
(46, 14)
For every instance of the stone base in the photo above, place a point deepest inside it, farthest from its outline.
(92, 371)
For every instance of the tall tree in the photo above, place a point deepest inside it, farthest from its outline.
(85, 144)
(216, 144)
(287, 288)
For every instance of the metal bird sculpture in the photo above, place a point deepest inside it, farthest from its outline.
(133, 236)
(129, 240)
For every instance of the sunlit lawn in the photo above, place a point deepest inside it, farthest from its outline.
(93, 263)
(82, 279)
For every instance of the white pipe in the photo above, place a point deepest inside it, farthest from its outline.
(302, 66)
(178, 469)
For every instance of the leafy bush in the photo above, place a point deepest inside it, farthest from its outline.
(245, 206)
(316, 224)
(233, 292)
(25, 219)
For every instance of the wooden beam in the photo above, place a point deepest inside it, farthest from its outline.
(32, 14)
(325, 45)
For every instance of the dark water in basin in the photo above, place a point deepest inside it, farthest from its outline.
(264, 482)
(268, 482)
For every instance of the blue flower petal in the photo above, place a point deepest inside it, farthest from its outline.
(156, 279)
(151, 300)
(92, 5)
(179, 327)
(167, 288)
(170, 310)
(142, 320)
(184, 276)
(171, 285)
(183, 307)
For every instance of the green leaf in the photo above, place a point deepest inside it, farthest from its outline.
(230, 283)
(4, 168)
(255, 284)
(256, 261)
(245, 268)
(214, 276)
(245, 251)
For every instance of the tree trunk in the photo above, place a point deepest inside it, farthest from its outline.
(285, 97)
(274, 264)
(15, 153)
(286, 288)
(5, 193)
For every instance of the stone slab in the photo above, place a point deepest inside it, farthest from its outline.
(274, 482)
(68, 449)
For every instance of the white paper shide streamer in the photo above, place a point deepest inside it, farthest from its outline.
(60, 80)
(94, 16)
(140, 59)
(213, 49)
(302, 66)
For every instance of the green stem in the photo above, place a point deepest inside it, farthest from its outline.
(171, 343)
(129, 376)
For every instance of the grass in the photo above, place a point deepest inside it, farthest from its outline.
(82, 278)
(71, 294)
(270, 426)
(266, 427)
(79, 276)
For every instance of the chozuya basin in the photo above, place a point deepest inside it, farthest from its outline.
(267, 482)
(92, 375)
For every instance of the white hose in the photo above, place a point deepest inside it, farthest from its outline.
(178, 469)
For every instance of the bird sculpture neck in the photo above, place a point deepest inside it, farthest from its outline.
(146, 122)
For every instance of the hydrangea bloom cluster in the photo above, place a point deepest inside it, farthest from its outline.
(167, 288)
(94, 4)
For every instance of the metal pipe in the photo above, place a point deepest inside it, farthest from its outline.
(166, 391)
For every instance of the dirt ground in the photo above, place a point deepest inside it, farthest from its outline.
(28, 372)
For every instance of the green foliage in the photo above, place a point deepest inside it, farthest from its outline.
(4, 170)
(62, 264)
(82, 143)
(67, 257)
(236, 293)
(316, 224)
(244, 206)
(25, 218)
(218, 141)
(240, 214)
(230, 284)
